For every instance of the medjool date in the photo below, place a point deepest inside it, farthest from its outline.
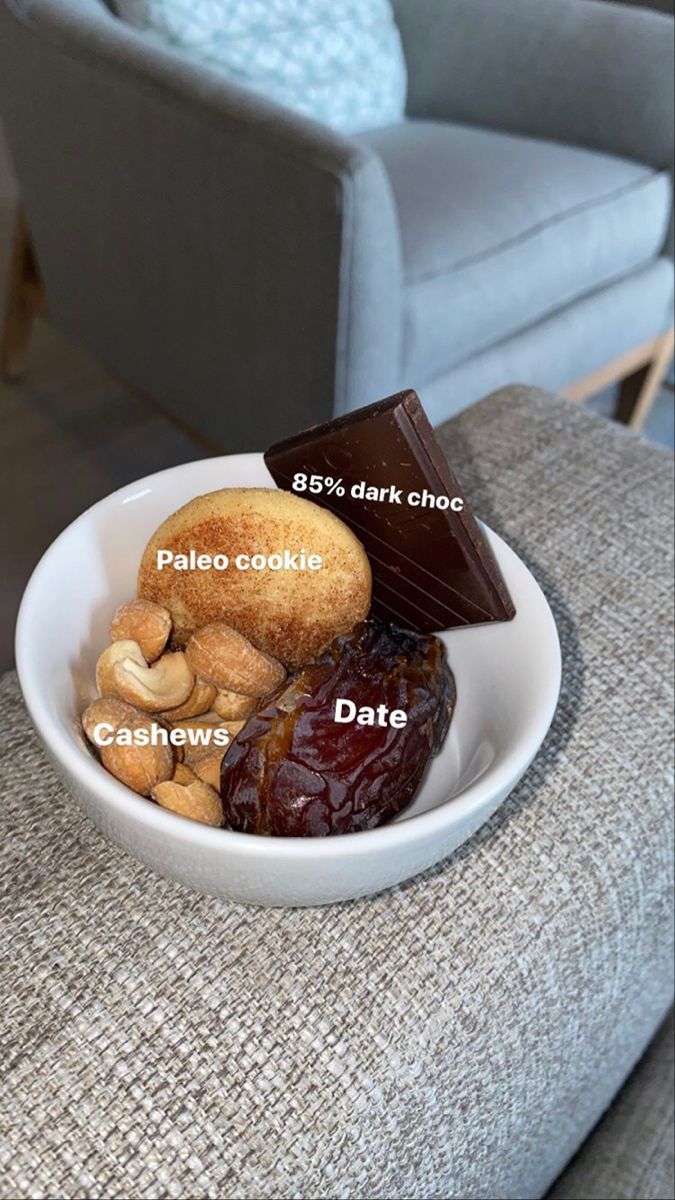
(292, 771)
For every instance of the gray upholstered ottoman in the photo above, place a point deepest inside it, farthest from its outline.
(457, 1036)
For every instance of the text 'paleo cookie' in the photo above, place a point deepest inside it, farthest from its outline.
(381, 470)
(289, 610)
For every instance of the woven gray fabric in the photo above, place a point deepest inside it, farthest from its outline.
(455, 1037)
(631, 1152)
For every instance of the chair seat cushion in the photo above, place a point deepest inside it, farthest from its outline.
(499, 231)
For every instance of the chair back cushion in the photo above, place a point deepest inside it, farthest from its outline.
(338, 61)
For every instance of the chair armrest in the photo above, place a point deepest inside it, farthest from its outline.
(237, 262)
(579, 71)
(458, 1035)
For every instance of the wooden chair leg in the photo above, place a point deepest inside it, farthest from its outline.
(638, 391)
(25, 299)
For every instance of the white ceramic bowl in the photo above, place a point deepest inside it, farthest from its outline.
(508, 677)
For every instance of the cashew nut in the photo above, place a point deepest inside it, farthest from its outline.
(195, 800)
(144, 622)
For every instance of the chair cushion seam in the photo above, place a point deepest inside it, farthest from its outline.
(564, 303)
(526, 235)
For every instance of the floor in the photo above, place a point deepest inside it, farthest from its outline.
(70, 434)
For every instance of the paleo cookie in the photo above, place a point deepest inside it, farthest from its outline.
(292, 611)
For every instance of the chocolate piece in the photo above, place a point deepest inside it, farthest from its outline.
(432, 567)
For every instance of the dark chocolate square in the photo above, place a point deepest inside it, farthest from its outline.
(432, 566)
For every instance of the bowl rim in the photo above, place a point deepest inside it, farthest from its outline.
(91, 776)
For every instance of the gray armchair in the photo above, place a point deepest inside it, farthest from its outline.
(254, 271)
